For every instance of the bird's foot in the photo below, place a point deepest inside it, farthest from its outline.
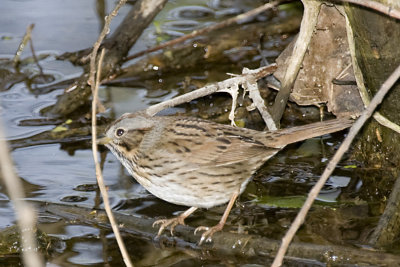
(209, 232)
(171, 223)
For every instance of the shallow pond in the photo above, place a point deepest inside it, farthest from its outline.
(63, 173)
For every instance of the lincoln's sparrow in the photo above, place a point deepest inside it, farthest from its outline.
(198, 163)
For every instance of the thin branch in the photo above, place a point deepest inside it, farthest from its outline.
(234, 92)
(386, 86)
(254, 93)
(308, 23)
(26, 215)
(235, 20)
(99, 175)
(95, 87)
(104, 32)
(384, 121)
(223, 86)
(35, 57)
(22, 45)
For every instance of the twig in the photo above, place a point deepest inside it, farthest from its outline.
(234, 92)
(223, 86)
(332, 164)
(35, 57)
(311, 11)
(22, 45)
(254, 93)
(95, 87)
(99, 175)
(382, 120)
(239, 19)
(26, 215)
(104, 32)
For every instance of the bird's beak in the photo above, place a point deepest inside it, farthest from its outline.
(104, 140)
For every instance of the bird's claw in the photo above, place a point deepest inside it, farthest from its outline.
(172, 223)
(209, 232)
(201, 228)
(162, 227)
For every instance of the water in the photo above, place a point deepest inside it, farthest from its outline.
(64, 173)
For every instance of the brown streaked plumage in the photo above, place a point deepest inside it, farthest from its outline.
(199, 163)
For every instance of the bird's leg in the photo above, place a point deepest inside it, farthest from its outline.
(174, 221)
(209, 231)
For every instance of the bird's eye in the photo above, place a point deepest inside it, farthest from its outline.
(119, 132)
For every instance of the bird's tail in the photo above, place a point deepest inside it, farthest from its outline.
(300, 133)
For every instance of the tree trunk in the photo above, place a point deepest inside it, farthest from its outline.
(376, 39)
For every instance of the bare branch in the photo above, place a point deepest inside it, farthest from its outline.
(95, 88)
(386, 86)
(254, 93)
(311, 11)
(22, 45)
(227, 86)
(104, 32)
(99, 175)
(26, 215)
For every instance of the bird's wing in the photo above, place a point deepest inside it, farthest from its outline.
(205, 143)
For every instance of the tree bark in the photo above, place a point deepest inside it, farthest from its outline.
(376, 39)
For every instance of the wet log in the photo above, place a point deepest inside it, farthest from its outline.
(224, 243)
(219, 48)
(59, 135)
(118, 46)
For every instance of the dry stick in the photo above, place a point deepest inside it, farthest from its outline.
(234, 92)
(332, 164)
(95, 86)
(26, 215)
(35, 57)
(99, 175)
(239, 19)
(104, 32)
(254, 93)
(311, 11)
(22, 45)
(212, 88)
